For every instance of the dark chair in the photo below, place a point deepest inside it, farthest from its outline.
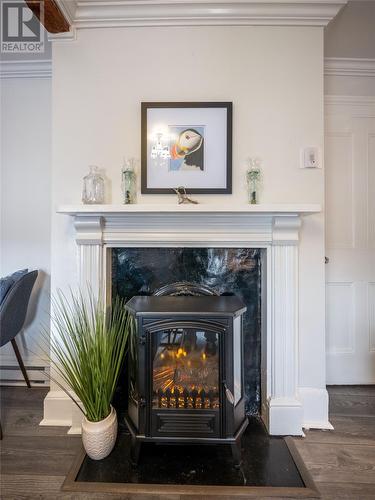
(13, 311)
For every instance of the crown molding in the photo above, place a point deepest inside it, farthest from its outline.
(43, 68)
(343, 66)
(138, 13)
(351, 100)
(26, 69)
(68, 9)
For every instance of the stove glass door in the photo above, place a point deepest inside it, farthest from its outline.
(185, 366)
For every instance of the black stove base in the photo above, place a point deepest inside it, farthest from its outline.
(234, 443)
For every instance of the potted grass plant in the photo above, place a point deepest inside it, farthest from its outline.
(87, 352)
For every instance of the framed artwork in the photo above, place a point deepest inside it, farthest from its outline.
(186, 144)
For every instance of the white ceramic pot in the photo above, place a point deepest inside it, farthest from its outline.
(99, 437)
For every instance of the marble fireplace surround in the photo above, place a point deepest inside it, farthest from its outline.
(99, 228)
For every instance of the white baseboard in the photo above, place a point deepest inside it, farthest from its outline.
(50, 422)
(60, 411)
(315, 408)
(77, 416)
(285, 417)
(289, 417)
(57, 409)
(324, 426)
(75, 431)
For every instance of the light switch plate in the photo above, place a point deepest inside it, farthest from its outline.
(310, 157)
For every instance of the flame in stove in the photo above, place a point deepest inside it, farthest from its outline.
(181, 352)
(185, 377)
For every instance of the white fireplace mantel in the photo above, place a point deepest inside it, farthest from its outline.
(187, 224)
(274, 227)
(267, 209)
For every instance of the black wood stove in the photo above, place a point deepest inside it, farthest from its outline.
(186, 371)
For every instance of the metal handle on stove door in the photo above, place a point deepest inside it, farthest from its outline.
(228, 393)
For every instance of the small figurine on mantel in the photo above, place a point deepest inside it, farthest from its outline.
(182, 196)
(253, 177)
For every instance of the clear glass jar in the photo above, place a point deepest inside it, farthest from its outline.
(129, 182)
(253, 177)
(93, 187)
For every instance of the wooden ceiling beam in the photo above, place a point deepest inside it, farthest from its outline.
(52, 18)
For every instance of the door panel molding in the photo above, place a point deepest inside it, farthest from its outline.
(350, 273)
(340, 318)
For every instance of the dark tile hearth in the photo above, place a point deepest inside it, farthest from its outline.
(266, 462)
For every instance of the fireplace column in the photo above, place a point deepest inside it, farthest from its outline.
(89, 239)
(285, 413)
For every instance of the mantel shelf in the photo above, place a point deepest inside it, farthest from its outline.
(265, 209)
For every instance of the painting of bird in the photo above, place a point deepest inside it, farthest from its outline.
(187, 148)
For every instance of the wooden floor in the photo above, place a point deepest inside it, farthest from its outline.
(34, 460)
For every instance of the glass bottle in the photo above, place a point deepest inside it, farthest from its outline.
(253, 176)
(93, 187)
(129, 182)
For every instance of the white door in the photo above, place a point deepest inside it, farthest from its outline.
(350, 240)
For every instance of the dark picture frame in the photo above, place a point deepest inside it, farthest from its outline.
(145, 147)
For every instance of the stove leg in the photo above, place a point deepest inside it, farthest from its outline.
(135, 450)
(236, 453)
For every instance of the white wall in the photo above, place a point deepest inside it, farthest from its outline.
(26, 204)
(351, 35)
(273, 75)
